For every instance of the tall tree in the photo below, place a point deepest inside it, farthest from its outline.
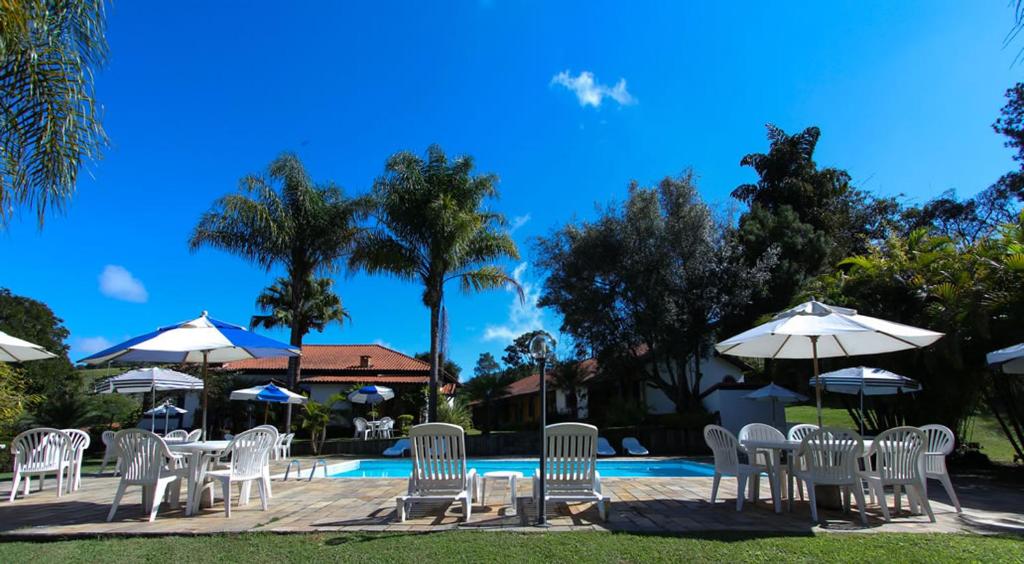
(320, 306)
(647, 284)
(34, 321)
(568, 376)
(486, 365)
(448, 366)
(517, 354)
(434, 229)
(49, 119)
(283, 218)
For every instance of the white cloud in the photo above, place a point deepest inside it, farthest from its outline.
(589, 92)
(383, 343)
(89, 345)
(116, 282)
(517, 222)
(523, 316)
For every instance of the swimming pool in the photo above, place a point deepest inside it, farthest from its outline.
(670, 468)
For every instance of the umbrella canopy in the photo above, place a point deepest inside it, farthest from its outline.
(814, 330)
(144, 380)
(371, 395)
(166, 409)
(268, 393)
(13, 349)
(201, 340)
(775, 392)
(866, 381)
(1011, 359)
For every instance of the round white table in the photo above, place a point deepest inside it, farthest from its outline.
(510, 478)
(195, 452)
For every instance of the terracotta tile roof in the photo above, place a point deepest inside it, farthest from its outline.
(369, 379)
(531, 383)
(338, 358)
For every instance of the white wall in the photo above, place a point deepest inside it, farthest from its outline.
(713, 370)
(736, 410)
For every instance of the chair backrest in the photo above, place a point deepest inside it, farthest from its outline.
(941, 440)
(725, 447)
(249, 452)
(177, 435)
(194, 435)
(760, 432)
(360, 424)
(79, 441)
(143, 455)
(898, 453)
(831, 455)
(438, 458)
(384, 420)
(798, 432)
(40, 449)
(570, 454)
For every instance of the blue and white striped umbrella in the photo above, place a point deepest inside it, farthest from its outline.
(201, 340)
(371, 395)
(165, 409)
(268, 393)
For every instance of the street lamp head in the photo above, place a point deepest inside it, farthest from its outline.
(542, 346)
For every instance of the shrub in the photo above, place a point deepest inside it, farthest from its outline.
(404, 424)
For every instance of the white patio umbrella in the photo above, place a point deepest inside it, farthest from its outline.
(371, 395)
(814, 330)
(13, 349)
(152, 380)
(165, 409)
(775, 393)
(202, 340)
(863, 381)
(269, 393)
(1011, 359)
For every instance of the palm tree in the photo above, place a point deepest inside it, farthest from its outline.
(49, 51)
(304, 227)
(320, 306)
(433, 229)
(568, 376)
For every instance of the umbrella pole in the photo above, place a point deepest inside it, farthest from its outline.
(817, 380)
(152, 417)
(266, 411)
(288, 418)
(862, 405)
(205, 385)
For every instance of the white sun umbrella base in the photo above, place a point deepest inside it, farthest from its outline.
(814, 330)
(13, 349)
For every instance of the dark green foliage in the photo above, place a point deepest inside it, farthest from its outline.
(404, 423)
(486, 365)
(448, 365)
(517, 354)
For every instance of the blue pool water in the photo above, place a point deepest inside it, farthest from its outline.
(608, 468)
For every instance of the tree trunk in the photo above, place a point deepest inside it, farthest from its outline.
(435, 315)
(571, 403)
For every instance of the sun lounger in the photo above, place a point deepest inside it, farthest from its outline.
(400, 447)
(633, 447)
(604, 448)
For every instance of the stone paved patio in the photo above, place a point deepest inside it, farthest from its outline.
(657, 505)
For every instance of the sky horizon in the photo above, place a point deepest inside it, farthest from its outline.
(566, 103)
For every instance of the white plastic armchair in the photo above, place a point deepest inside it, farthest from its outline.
(38, 452)
(570, 466)
(940, 443)
(761, 432)
(726, 449)
(831, 456)
(194, 435)
(362, 428)
(249, 453)
(899, 463)
(283, 446)
(439, 470)
(79, 441)
(145, 461)
(110, 451)
(797, 433)
(177, 435)
(387, 426)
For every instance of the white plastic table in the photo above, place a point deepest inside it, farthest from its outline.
(510, 478)
(195, 452)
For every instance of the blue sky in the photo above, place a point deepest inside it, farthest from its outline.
(904, 93)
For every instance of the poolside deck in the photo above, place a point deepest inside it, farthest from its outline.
(656, 505)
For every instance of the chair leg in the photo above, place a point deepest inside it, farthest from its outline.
(755, 487)
(880, 493)
(266, 481)
(924, 500)
(741, 482)
(467, 508)
(602, 511)
(400, 509)
(175, 494)
(14, 485)
(60, 482)
(262, 487)
(714, 487)
(814, 502)
(117, 500)
(243, 495)
(858, 493)
(158, 494)
(947, 485)
(226, 489)
(897, 505)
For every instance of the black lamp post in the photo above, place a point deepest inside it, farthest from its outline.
(542, 346)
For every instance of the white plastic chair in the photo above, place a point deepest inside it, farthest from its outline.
(761, 432)
(727, 450)
(38, 452)
(283, 446)
(830, 458)
(110, 451)
(79, 442)
(194, 435)
(145, 461)
(570, 465)
(940, 443)
(362, 428)
(899, 462)
(387, 426)
(177, 435)
(438, 468)
(249, 453)
(797, 433)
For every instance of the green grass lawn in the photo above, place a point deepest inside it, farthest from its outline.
(492, 546)
(985, 431)
(90, 465)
